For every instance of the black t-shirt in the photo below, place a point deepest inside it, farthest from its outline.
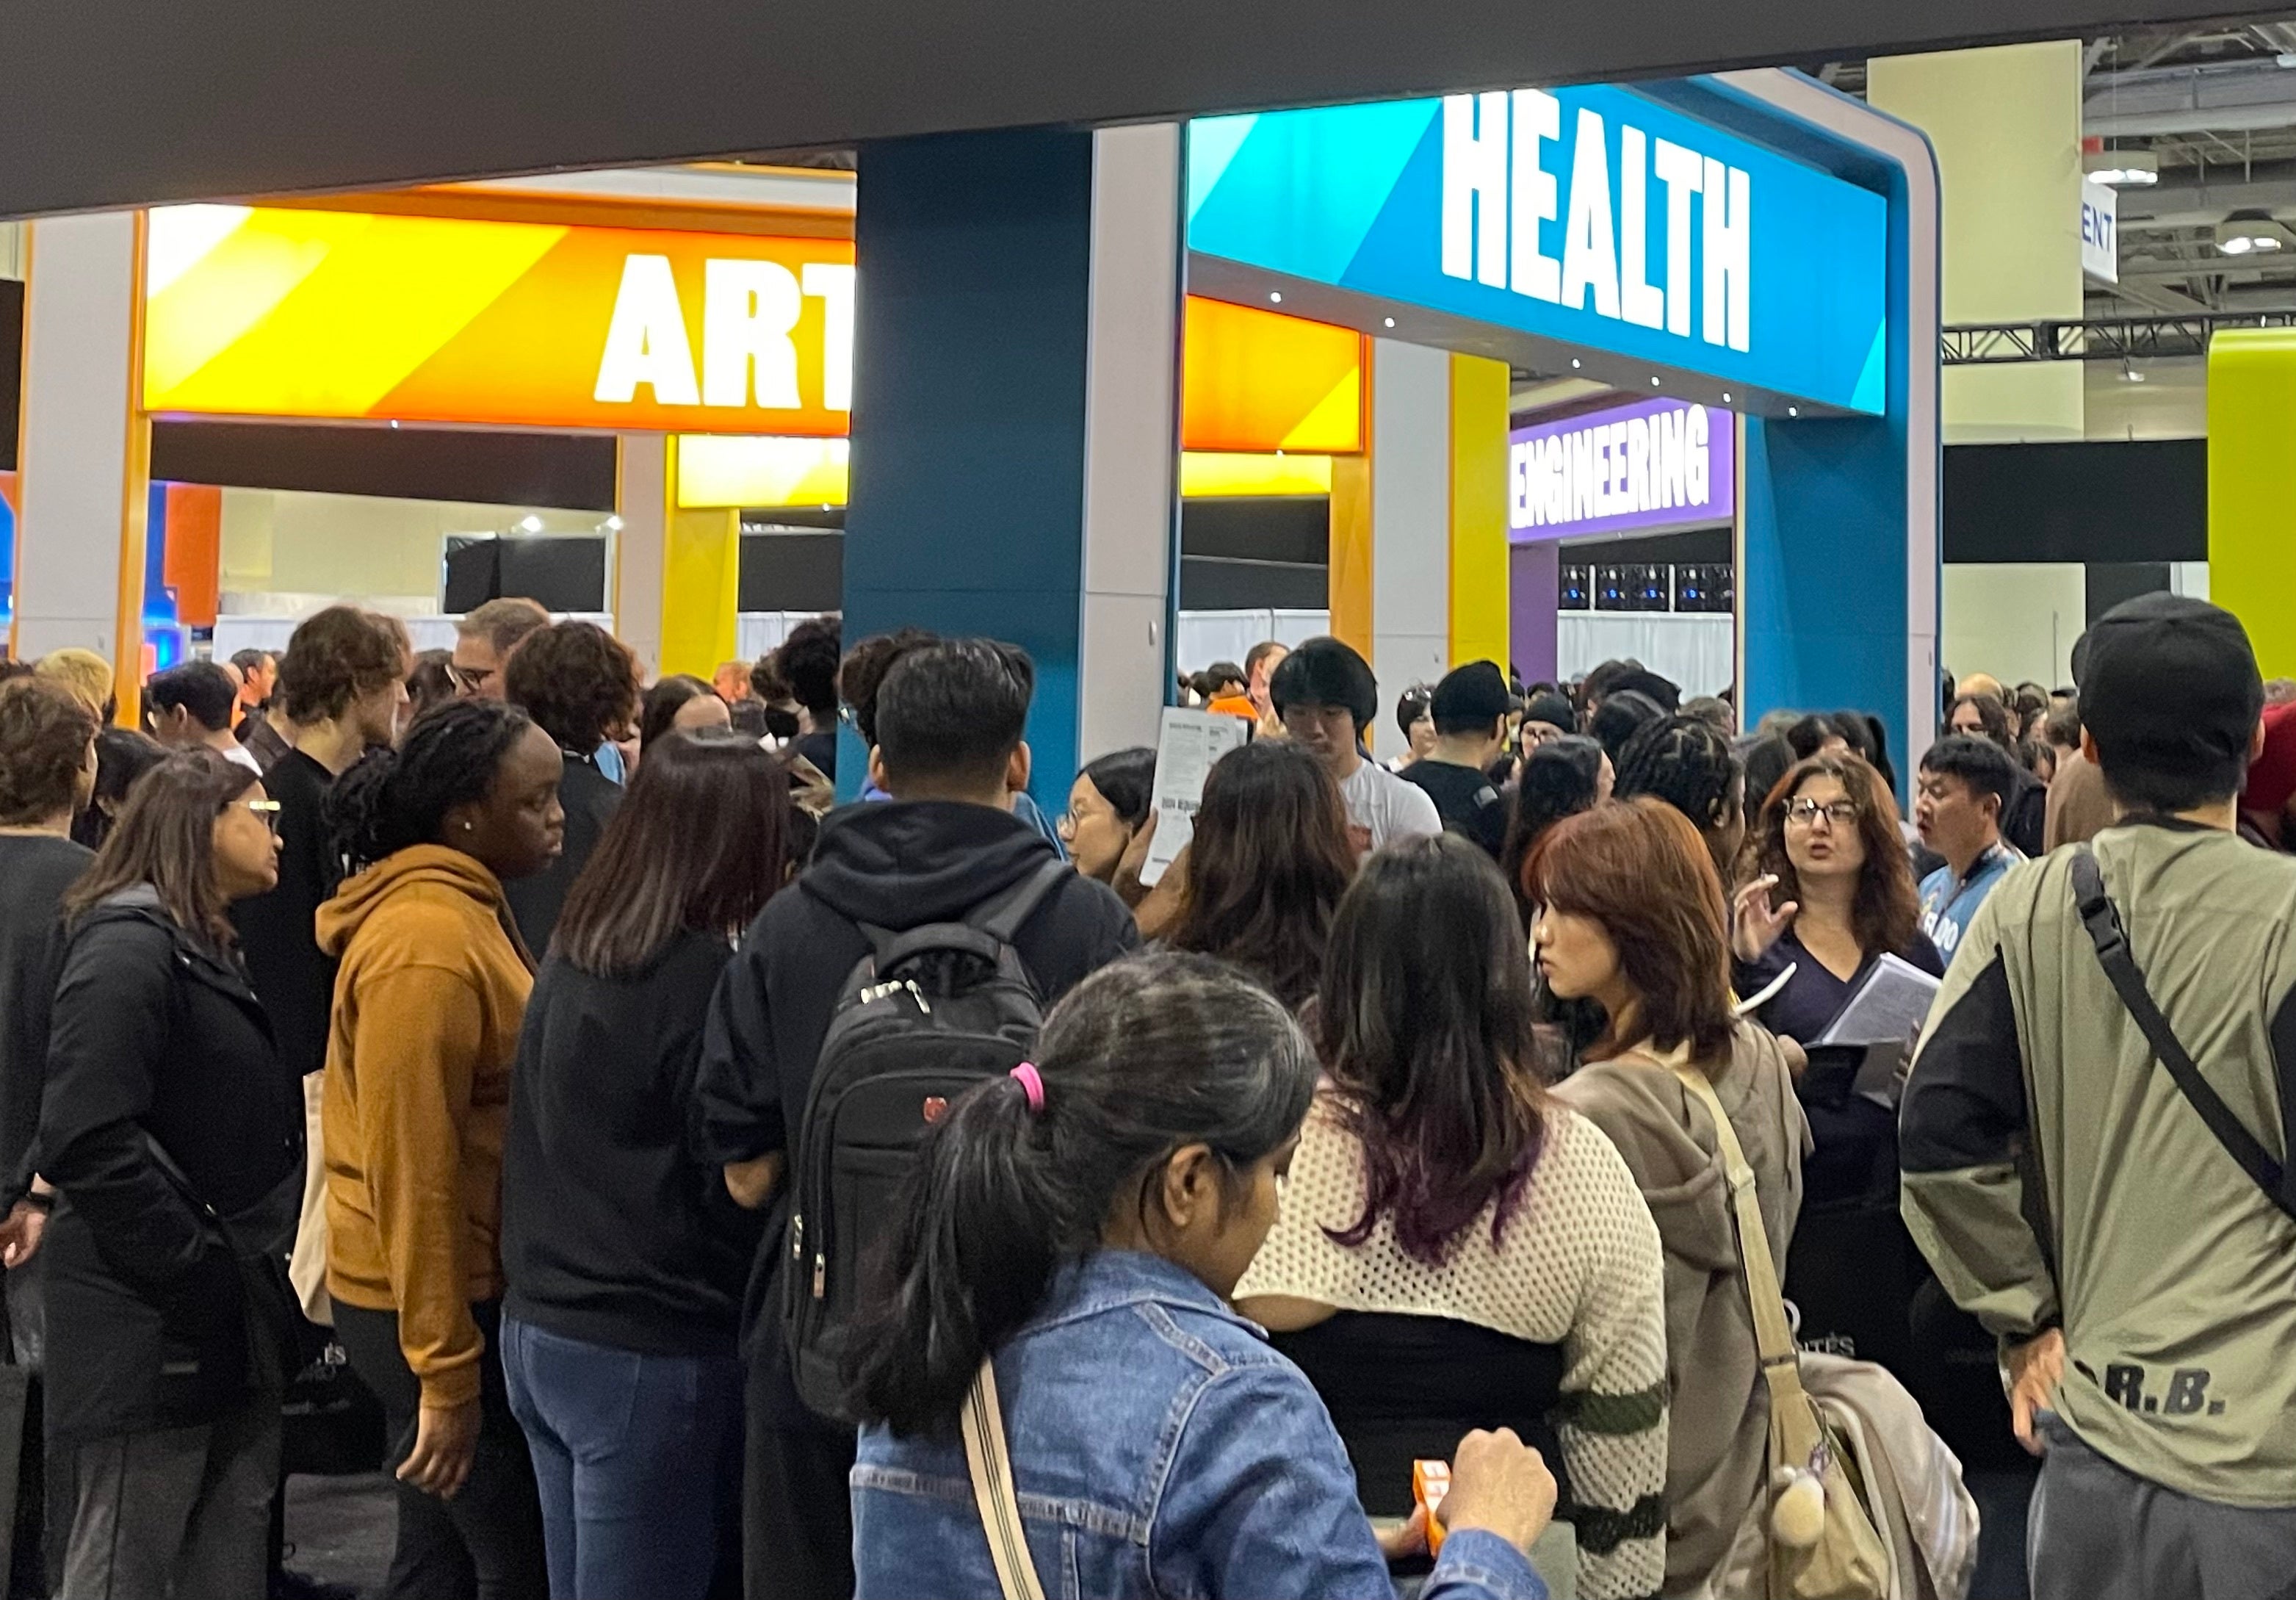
(36, 868)
(1466, 799)
(293, 980)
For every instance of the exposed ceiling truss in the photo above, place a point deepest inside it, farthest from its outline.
(2217, 108)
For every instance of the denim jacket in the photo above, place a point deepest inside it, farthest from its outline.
(1161, 1448)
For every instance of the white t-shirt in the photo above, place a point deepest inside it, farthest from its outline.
(1387, 808)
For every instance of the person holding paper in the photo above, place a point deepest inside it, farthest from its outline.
(1834, 894)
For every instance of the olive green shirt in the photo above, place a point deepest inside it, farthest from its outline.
(2173, 1274)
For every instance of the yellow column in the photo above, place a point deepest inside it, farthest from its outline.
(1350, 550)
(700, 584)
(1480, 393)
(2006, 124)
(2251, 516)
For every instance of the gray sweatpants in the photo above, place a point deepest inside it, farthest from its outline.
(180, 1513)
(2101, 1532)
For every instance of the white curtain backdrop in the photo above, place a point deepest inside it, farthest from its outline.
(1209, 636)
(1697, 650)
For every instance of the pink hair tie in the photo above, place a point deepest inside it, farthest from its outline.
(1032, 1083)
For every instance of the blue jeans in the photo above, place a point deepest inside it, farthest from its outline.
(634, 1455)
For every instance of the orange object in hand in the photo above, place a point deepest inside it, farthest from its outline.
(1430, 1480)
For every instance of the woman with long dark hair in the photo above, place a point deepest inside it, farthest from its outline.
(1835, 890)
(1561, 778)
(428, 1002)
(1631, 918)
(624, 1256)
(173, 1137)
(680, 703)
(1265, 867)
(1063, 1252)
(1457, 1249)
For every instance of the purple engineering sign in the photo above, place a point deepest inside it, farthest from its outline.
(1651, 466)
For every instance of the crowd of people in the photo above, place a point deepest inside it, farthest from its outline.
(715, 1190)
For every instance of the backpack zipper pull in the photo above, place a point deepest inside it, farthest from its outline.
(797, 1238)
(924, 1005)
(820, 1276)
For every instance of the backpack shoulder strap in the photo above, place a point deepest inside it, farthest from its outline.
(2102, 921)
(994, 1492)
(1005, 913)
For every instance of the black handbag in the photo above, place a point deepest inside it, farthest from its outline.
(270, 1314)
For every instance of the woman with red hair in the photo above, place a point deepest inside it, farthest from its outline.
(1631, 918)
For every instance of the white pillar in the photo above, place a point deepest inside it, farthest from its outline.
(1131, 437)
(642, 486)
(83, 468)
(1411, 524)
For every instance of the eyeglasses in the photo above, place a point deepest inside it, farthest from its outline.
(267, 810)
(467, 680)
(1803, 812)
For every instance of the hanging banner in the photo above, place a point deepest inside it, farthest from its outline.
(1651, 467)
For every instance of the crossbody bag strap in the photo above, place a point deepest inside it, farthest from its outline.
(2102, 920)
(982, 1422)
(1772, 1336)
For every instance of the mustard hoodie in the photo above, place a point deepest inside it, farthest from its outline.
(427, 1005)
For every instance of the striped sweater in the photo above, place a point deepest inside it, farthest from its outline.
(1579, 1267)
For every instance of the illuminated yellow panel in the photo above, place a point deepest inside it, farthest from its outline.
(1255, 380)
(1205, 473)
(731, 469)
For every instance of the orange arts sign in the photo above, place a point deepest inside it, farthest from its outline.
(285, 313)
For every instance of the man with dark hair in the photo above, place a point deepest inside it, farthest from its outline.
(1966, 784)
(2107, 1196)
(189, 707)
(258, 675)
(1327, 697)
(809, 661)
(1623, 714)
(948, 718)
(1661, 692)
(484, 639)
(1470, 708)
(580, 686)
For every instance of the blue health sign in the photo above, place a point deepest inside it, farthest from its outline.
(1592, 217)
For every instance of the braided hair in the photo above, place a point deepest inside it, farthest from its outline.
(395, 799)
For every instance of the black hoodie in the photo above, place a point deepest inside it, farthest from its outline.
(897, 865)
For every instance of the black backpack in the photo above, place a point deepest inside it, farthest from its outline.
(925, 1015)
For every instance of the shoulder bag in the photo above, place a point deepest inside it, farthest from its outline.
(982, 1423)
(2102, 920)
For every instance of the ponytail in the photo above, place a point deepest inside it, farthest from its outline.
(1143, 1058)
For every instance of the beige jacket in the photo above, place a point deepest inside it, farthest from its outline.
(1719, 1409)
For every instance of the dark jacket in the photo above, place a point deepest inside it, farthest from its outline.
(35, 871)
(292, 977)
(155, 1036)
(615, 1230)
(591, 799)
(2024, 820)
(898, 865)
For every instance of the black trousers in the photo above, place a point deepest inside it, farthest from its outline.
(486, 1543)
(797, 1509)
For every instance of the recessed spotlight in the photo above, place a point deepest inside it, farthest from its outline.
(1726, 396)
(1653, 383)
(1390, 321)
(1574, 364)
(394, 421)
(1793, 411)
(530, 524)
(1276, 300)
(613, 524)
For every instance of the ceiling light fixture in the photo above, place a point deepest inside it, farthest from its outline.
(2251, 231)
(1275, 300)
(1390, 321)
(2123, 168)
(530, 524)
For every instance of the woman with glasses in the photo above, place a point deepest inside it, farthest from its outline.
(1834, 891)
(1108, 805)
(173, 1139)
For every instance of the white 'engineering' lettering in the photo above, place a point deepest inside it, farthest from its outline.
(1658, 463)
(1497, 195)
